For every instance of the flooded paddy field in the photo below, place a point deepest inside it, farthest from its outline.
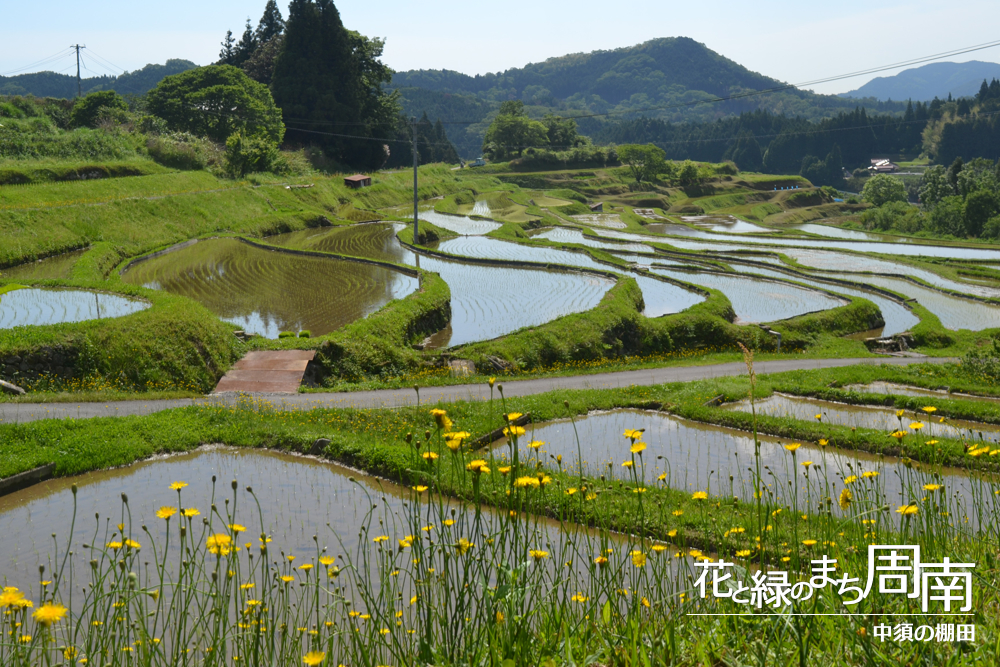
(866, 416)
(890, 388)
(35, 306)
(57, 267)
(268, 292)
(700, 457)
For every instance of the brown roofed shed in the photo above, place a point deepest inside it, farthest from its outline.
(358, 181)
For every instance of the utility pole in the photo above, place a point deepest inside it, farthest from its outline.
(79, 90)
(416, 160)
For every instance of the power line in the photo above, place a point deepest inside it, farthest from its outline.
(104, 62)
(44, 61)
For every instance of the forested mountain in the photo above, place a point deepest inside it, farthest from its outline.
(51, 84)
(662, 78)
(930, 81)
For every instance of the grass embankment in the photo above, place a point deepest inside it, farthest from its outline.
(173, 346)
(50, 171)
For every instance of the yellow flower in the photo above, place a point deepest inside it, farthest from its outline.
(190, 513)
(49, 613)
(637, 447)
(792, 447)
(906, 509)
(219, 544)
(916, 426)
(513, 416)
(869, 474)
(845, 499)
(463, 546)
(429, 456)
(699, 495)
(237, 528)
(132, 544)
(166, 512)
(743, 553)
(640, 489)
(823, 443)
(570, 492)
(10, 597)
(69, 653)
(305, 567)
(492, 381)
(932, 487)
(672, 533)
(695, 553)
(478, 466)
(504, 470)
(929, 409)
(380, 539)
(287, 579)
(659, 548)
(633, 434)
(579, 597)
(677, 512)
(627, 464)
(806, 464)
(601, 561)
(645, 603)
(513, 431)
(851, 479)
(819, 418)
(313, 658)
(535, 444)
(420, 488)
(638, 558)
(457, 435)
(809, 543)
(662, 477)
(177, 486)
(898, 435)
(538, 554)
(527, 482)
(900, 413)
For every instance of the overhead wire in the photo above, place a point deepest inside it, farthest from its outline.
(58, 56)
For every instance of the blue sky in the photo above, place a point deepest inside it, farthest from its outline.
(791, 41)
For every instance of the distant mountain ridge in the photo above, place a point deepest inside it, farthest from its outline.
(930, 81)
(662, 78)
(52, 84)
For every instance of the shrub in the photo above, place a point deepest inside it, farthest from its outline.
(983, 365)
(246, 154)
(305, 333)
(286, 334)
(991, 229)
(181, 151)
(86, 111)
(894, 215)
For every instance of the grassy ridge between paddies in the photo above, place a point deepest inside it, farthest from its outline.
(44, 172)
(176, 344)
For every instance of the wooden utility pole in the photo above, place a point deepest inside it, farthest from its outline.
(79, 88)
(416, 160)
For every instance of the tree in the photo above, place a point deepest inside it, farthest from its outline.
(688, 173)
(228, 49)
(746, 152)
(980, 206)
(246, 46)
(948, 217)
(215, 102)
(977, 174)
(271, 24)
(512, 131)
(934, 187)
(882, 189)
(645, 161)
(561, 132)
(330, 80)
(260, 66)
(87, 109)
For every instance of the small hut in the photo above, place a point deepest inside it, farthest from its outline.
(358, 181)
(597, 208)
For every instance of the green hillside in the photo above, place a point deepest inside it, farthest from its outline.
(52, 84)
(663, 78)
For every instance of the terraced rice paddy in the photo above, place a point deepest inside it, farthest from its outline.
(460, 224)
(898, 318)
(568, 235)
(689, 453)
(891, 389)
(954, 312)
(491, 301)
(486, 301)
(609, 220)
(376, 240)
(31, 306)
(660, 297)
(756, 300)
(725, 224)
(833, 232)
(52, 268)
(268, 292)
(863, 416)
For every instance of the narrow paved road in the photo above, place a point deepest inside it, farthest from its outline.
(11, 413)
